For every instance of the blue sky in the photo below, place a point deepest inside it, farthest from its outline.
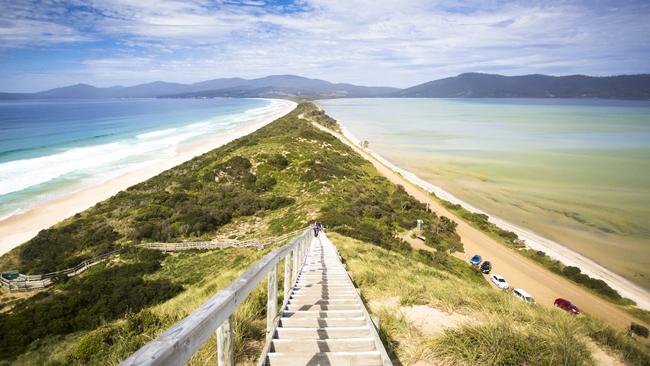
(51, 43)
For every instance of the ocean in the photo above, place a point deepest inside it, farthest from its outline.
(50, 148)
(574, 171)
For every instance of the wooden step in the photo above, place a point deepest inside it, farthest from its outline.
(326, 314)
(322, 322)
(323, 345)
(324, 307)
(322, 333)
(326, 285)
(318, 297)
(371, 358)
(323, 280)
(328, 301)
(322, 283)
(323, 286)
(329, 277)
(325, 292)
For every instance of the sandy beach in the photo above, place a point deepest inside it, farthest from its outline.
(19, 228)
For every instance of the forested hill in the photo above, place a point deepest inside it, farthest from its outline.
(475, 85)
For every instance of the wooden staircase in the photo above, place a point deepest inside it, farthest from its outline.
(324, 321)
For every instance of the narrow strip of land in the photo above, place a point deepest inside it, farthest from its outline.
(19, 228)
(520, 271)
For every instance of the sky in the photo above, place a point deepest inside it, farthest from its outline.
(51, 43)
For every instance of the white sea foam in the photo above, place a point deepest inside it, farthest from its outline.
(153, 134)
(105, 159)
(198, 124)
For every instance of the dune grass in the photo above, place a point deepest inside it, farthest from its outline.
(202, 274)
(503, 330)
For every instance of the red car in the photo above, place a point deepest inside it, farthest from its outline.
(567, 306)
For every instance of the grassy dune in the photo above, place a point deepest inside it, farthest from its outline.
(500, 329)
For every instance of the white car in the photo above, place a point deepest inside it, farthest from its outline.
(499, 281)
(523, 296)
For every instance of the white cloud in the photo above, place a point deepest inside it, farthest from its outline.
(23, 32)
(362, 41)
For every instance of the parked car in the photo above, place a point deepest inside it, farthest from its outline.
(486, 267)
(499, 281)
(476, 260)
(566, 305)
(523, 296)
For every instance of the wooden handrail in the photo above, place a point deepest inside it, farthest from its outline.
(178, 343)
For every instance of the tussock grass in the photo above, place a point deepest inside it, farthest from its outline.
(503, 330)
(500, 340)
(630, 350)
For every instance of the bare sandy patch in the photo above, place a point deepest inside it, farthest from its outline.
(603, 357)
(426, 319)
(431, 321)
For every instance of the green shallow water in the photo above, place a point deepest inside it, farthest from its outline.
(575, 171)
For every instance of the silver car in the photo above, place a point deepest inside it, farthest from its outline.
(499, 281)
(523, 296)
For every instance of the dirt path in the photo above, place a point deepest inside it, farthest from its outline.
(520, 271)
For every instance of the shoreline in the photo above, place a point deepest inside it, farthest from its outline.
(534, 241)
(21, 227)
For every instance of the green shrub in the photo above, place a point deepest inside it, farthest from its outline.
(103, 294)
(278, 161)
(91, 345)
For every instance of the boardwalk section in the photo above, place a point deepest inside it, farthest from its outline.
(324, 321)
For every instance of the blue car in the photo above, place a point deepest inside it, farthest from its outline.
(476, 260)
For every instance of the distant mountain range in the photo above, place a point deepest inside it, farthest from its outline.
(474, 85)
(276, 86)
(469, 85)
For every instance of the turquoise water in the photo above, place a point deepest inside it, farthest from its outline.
(575, 171)
(50, 148)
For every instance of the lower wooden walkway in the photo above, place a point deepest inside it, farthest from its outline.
(324, 321)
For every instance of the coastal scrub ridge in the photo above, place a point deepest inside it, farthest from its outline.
(275, 180)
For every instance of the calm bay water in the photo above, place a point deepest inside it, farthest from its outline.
(575, 171)
(50, 148)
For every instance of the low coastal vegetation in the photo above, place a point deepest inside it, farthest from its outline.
(497, 329)
(275, 180)
(510, 239)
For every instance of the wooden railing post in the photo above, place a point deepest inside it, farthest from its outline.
(294, 255)
(225, 344)
(287, 275)
(272, 301)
